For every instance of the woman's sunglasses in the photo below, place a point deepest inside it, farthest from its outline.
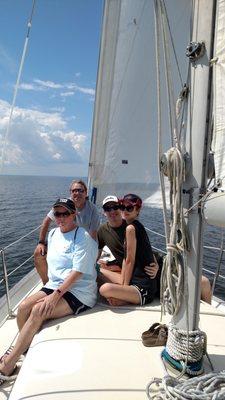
(128, 208)
(58, 214)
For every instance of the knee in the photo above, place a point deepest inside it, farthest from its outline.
(35, 314)
(105, 289)
(38, 256)
(23, 308)
(206, 291)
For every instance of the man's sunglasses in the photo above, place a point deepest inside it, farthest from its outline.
(128, 208)
(77, 190)
(111, 208)
(58, 214)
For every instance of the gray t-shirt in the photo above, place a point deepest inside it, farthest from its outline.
(88, 217)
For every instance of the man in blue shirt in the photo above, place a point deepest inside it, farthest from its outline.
(71, 286)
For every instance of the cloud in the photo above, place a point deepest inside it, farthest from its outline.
(31, 86)
(66, 94)
(39, 85)
(48, 84)
(40, 138)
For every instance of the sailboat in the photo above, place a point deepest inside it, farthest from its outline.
(99, 355)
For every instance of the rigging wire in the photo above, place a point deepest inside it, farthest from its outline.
(172, 42)
(5, 138)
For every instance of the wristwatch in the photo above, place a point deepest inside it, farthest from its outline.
(42, 242)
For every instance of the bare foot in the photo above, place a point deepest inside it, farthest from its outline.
(116, 302)
(6, 369)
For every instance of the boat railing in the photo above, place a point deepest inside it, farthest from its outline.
(6, 274)
(216, 274)
(5, 280)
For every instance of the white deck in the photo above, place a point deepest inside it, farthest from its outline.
(99, 355)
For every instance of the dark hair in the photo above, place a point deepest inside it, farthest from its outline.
(133, 198)
(80, 182)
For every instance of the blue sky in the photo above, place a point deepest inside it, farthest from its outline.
(52, 121)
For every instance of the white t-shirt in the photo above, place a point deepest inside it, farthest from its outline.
(73, 251)
(88, 217)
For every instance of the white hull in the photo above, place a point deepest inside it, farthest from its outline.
(99, 354)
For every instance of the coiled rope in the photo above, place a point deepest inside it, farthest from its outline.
(172, 278)
(207, 387)
(181, 344)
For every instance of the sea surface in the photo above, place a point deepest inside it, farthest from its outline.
(25, 200)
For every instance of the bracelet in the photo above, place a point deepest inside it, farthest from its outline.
(42, 242)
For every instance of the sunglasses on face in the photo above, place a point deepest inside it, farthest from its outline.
(111, 208)
(58, 214)
(77, 190)
(128, 208)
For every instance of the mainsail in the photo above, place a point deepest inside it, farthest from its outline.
(123, 153)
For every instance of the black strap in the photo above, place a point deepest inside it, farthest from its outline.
(75, 235)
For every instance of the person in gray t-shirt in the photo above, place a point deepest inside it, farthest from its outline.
(87, 216)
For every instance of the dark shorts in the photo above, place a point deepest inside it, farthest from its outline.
(144, 294)
(76, 306)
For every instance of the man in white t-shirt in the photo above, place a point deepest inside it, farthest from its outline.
(71, 287)
(87, 216)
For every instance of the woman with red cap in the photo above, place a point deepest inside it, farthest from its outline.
(133, 284)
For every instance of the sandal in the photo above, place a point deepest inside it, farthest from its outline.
(7, 352)
(156, 335)
(7, 378)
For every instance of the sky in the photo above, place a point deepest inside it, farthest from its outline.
(50, 133)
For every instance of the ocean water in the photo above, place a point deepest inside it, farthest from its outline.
(25, 200)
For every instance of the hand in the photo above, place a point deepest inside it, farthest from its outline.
(41, 249)
(152, 269)
(48, 304)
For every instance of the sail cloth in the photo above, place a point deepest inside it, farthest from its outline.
(218, 143)
(123, 154)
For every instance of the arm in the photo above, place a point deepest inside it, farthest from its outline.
(128, 262)
(42, 236)
(49, 302)
(152, 269)
(93, 234)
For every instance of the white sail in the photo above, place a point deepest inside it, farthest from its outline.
(218, 144)
(122, 144)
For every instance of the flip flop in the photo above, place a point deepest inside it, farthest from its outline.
(156, 335)
(7, 352)
(7, 378)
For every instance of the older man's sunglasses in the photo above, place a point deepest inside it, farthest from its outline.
(77, 190)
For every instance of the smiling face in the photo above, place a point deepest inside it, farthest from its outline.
(78, 194)
(113, 213)
(64, 219)
(130, 211)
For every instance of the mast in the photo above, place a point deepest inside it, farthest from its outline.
(197, 146)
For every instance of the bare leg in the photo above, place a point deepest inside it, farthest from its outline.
(28, 331)
(110, 276)
(26, 306)
(41, 265)
(124, 293)
(206, 292)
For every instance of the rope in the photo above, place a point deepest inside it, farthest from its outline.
(206, 387)
(181, 344)
(16, 88)
(172, 277)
